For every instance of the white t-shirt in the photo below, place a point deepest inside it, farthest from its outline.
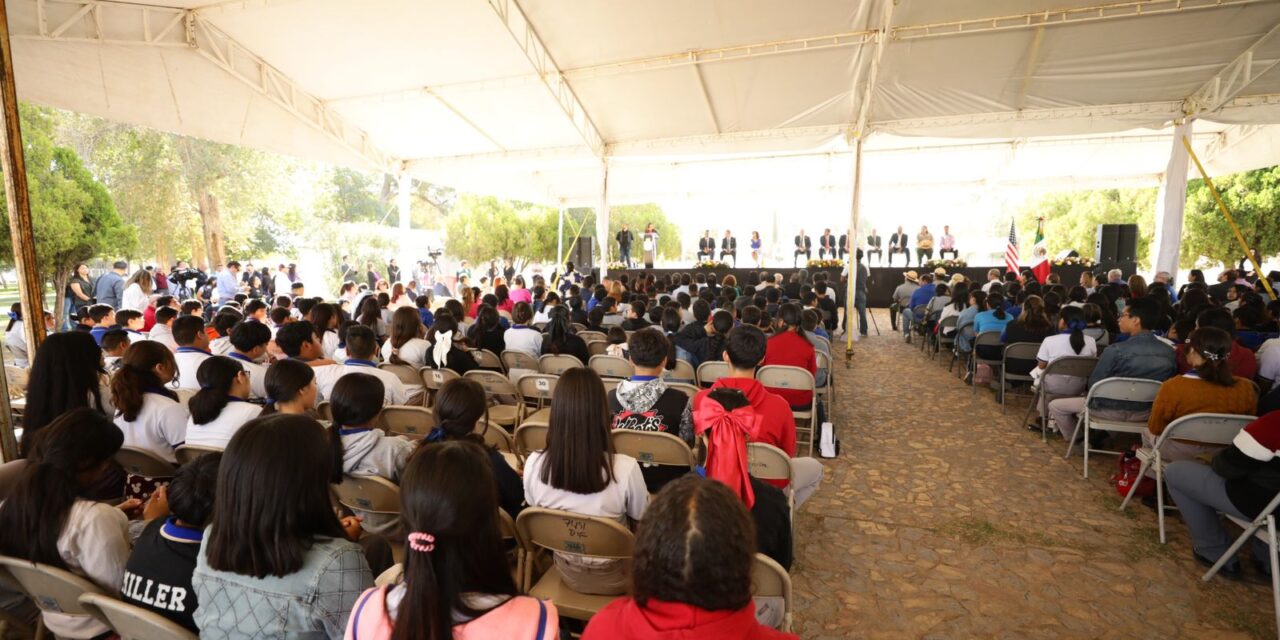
(525, 339)
(94, 543)
(1059, 346)
(1269, 363)
(134, 298)
(625, 496)
(329, 344)
(281, 283)
(394, 391)
(16, 340)
(160, 427)
(220, 346)
(257, 374)
(414, 352)
(189, 360)
(217, 434)
(164, 335)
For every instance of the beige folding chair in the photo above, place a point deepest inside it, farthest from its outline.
(530, 436)
(184, 395)
(519, 360)
(1205, 428)
(187, 453)
(141, 462)
(946, 336)
(373, 494)
(767, 462)
(506, 409)
(487, 359)
(824, 392)
(984, 339)
(556, 364)
(496, 437)
(610, 384)
(683, 371)
(687, 389)
(588, 336)
(578, 327)
(1128, 389)
(653, 447)
(710, 371)
(410, 421)
(1073, 366)
(53, 590)
(132, 622)
(507, 527)
(572, 534)
(770, 580)
(433, 380)
(612, 367)
(787, 377)
(391, 576)
(597, 348)
(325, 411)
(1263, 528)
(407, 374)
(536, 390)
(1016, 351)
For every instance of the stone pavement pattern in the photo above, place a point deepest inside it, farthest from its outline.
(943, 518)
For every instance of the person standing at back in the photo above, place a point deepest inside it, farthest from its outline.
(109, 287)
(625, 238)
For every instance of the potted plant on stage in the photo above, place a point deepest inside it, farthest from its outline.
(615, 266)
(716, 266)
(1078, 261)
(945, 264)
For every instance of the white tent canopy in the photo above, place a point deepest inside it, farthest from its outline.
(531, 98)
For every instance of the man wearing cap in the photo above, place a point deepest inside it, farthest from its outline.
(902, 298)
(109, 289)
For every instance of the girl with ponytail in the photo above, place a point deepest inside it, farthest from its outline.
(995, 318)
(220, 407)
(291, 388)
(1070, 341)
(147, 410)
(359, 448)
(44, 518)
(1209, 387)
(459, 408)
(457, 584)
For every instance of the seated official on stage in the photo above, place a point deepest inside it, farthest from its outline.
(898, 244)
(756, 254)
(948, 245)
(729, 247)
(873, 246)
(706, 246)
(804, 246)
(924, 246)
(844, 245)
(826, 245)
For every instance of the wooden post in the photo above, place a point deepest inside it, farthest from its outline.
(30, 288)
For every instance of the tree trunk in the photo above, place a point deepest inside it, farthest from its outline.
(211, 219)
(61, 278)
(162, 253)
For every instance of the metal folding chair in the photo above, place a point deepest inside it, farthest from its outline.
(787, 377)
(573, 534)
(1073, 366)
(612, 367)
(1126, 389)
(984, 339)
(1264, 528)
(1015, 351)
(710, 371)
(557, 364)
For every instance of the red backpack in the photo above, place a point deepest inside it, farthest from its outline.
(1128, 468)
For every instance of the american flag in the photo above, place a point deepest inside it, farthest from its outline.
(1011, 251)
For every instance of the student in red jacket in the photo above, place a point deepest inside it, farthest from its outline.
(789, 347)
(691, 574)
(775, 425)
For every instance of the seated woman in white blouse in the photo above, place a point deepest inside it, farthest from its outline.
(580, 473)
(220, 407)
(147, 411)
(1071, 341)
(406, 345)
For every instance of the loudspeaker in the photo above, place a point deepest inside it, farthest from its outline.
(582, 256)
(1106, 249)
(1127, 244)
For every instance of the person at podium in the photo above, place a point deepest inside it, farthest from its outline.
(729, 247)
(706, 246)
(804, 245)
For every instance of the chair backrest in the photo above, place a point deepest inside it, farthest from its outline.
(496, 437)
(588, 336)
(141, 462)
(610, 384)
(369, 493)
(324, 410)
(16, 377)
(685, 388)
(1130, 389)
(574, 534)
(184, 395)
(556, 364)
(824, 360)
(821, 340)
(768, 462)
(414, 422)
(538, 388)
(612, 367)
(597, 348)
(495, 384)
(50, 588)
(578, 327)
(919, 310)
(507, 527)
(391, 576)
(785, 377)
(433, 379)
(1208, 428)
(530, 436)
(1074, 366)
(1021, 351)
(712, 370)
(683, 371)
(653, 447)
(519, 360)
(770, 580)
(406, 372)
(486, 359)
(988, 338)
(131, 622)
(186, 454)
(948, 322)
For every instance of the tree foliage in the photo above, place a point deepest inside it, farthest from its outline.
(347, 195)
(1253, 197)
(482, 228)
(1072, 219)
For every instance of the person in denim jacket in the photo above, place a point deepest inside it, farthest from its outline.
(1142, 355)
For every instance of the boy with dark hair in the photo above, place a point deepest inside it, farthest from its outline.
(249, 342)
(280, 316)
(302, 308)
(256, 310)
(162, 330)
(191, 308)
(158, 574)
(645, 403)
(362, 347)
(114, 343)
(298, 341)
(193, 349)
(104, 319)
(130, 320)
(220, 337)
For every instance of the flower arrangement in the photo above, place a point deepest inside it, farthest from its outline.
(710, 264)
(945, 264)
(1078, 261)
(616, 266)
(825, 264)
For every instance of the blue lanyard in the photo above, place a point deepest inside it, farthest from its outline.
(193, 350)
(643, 378)
(361, 363)
(187, 534)
(240, 356)
(353, 431)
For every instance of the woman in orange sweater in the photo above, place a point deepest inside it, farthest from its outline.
(1209, 387)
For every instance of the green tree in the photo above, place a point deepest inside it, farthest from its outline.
(1252, 197)
(636, 217)
(482, 228)
(73, 216)
(1072, 219)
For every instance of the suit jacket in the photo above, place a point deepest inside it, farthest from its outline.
(803, 241)
(729, 244)
(624, 238)
(898, 240)
(706, 245)
(873, 242)
(827, 241)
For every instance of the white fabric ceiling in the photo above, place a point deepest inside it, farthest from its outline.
(715, 96)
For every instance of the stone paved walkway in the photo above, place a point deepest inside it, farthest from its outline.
(943, 518)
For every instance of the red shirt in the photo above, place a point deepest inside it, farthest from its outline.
(790, 349)
(148, 317)
(623, 619)
(1244, 364)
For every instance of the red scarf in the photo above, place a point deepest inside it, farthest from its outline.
(727, 444)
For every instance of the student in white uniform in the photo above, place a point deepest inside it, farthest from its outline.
(147, 410)
(15, 337)
(131, 321)
(324, 318)
(406, 344)
(220, 407)
(222, 324)
(249, 341)
(193, 348)
(162, 330)
(361, 346)
(291, 388)
(520, 336)
(359, 449)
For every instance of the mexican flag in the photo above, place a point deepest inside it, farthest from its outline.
(1040, 255)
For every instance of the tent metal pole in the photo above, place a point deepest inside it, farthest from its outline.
(850, 297)
(602, 221)
(17, 200)
(560, 233)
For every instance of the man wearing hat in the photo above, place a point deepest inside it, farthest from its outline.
(109, 289)
(902, 300)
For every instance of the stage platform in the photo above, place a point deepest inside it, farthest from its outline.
(884, 279)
